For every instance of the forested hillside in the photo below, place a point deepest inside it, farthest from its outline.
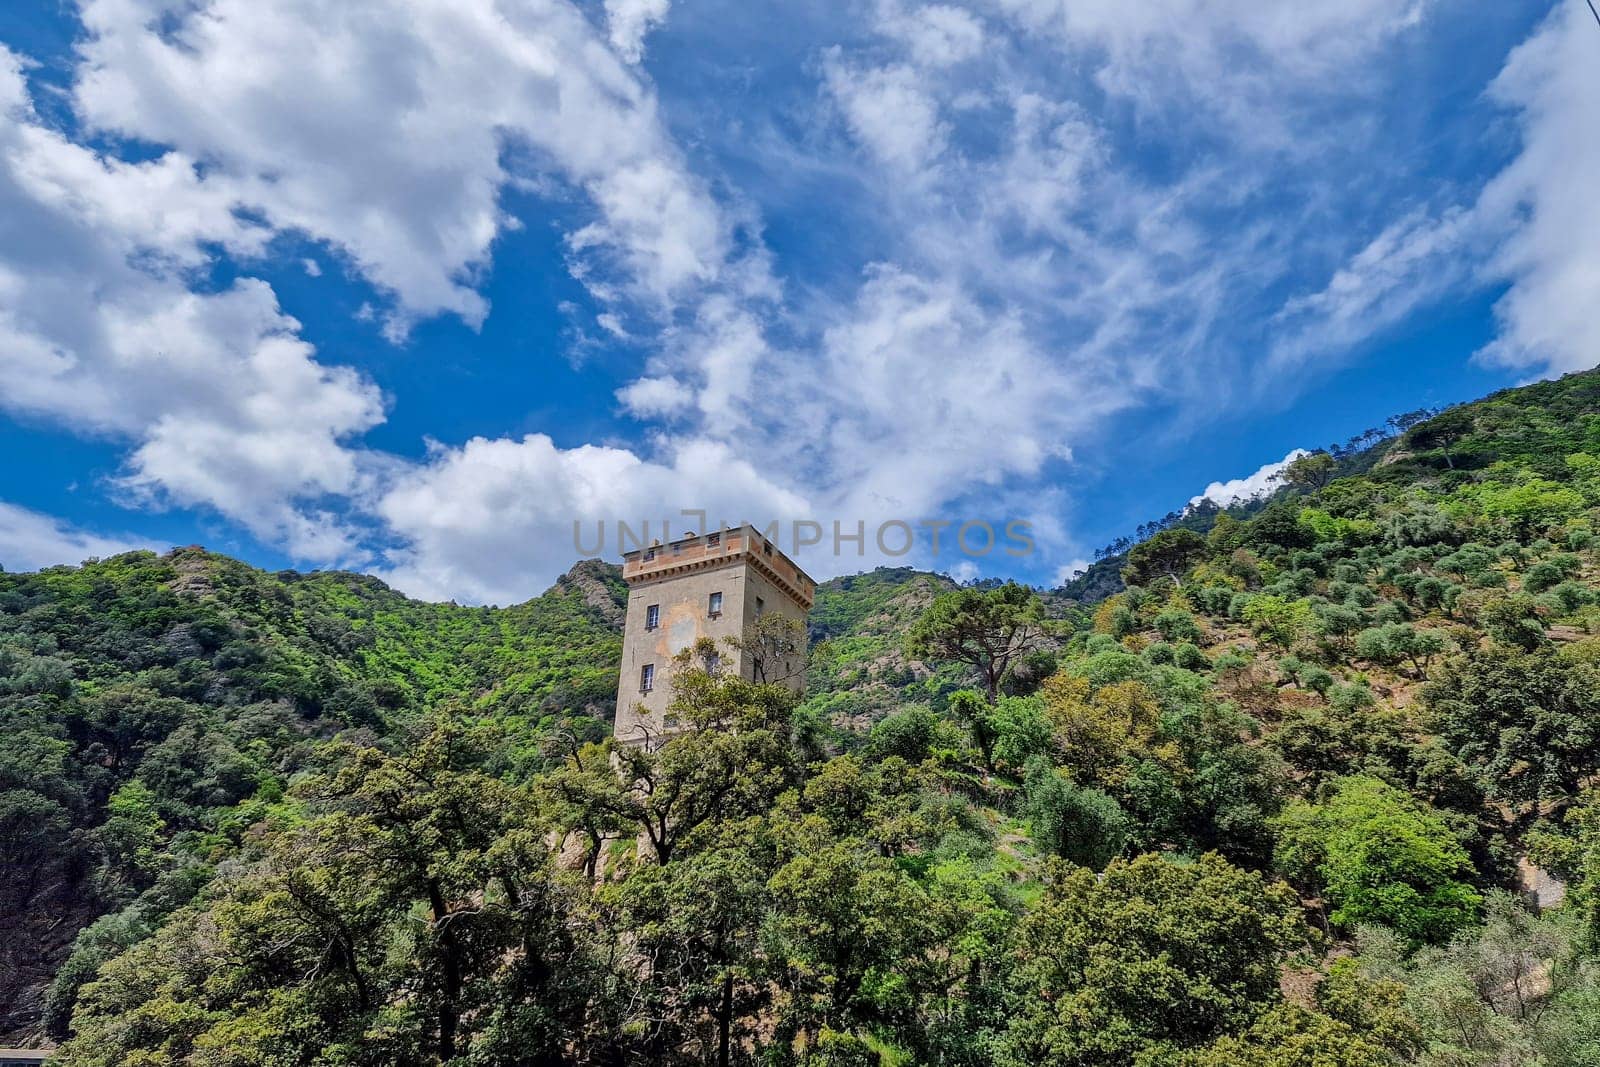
(154, 707)
(1275, 803)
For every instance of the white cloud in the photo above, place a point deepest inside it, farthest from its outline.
(1242, 490)
(937, 35)
(921, 389)
(628, 21)
(1068, 571)
(966, 571)
(30, 540)
(494, 520)
(1250, 65)
(888, 110)
(1412, 262)
(389, 129)
(386, 131)
(220, 400)
(655, 397)
(1546, 198)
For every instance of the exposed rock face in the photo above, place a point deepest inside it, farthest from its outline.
(194, 567)
(1539, 887)
(600, 584)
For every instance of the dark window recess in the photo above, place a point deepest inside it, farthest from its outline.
(647, 677)
(652, 616)
(714, 605)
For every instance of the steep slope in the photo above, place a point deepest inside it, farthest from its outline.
(147, 702)
(1428, 622)
(859, 668)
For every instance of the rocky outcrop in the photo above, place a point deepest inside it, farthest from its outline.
(600, 585)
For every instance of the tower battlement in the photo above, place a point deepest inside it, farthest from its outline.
(712, 586)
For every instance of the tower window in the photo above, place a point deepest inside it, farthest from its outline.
(712, 540)
(761, 605)
(714, 605)
(652, 616)
(713, 663)
(647, 677)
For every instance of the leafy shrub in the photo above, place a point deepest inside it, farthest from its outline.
(1101, 643)
(1158, 652)
(1080, 824)
(1550, 573)
(1213, 599)
(1568, 597)
(1177, 625)
(1397, 643)
(1187, 654)
(1378, 856)
(1347, 698)
(1513, 620)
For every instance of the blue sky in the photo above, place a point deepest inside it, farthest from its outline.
(412, 286)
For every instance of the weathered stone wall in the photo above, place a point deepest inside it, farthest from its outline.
(684, 620)
(683, 596)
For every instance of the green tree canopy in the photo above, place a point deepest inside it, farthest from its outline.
(1167, 554)
(1149, 958)
(1379, 857)
(987, 629)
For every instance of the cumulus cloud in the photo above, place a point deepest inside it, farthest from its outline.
(937, 35)
(889, 111)
(654, 397)
(1242, 490)
(386, 133)
(1546, 198)
(1070, 570)
(30, 540)
(222, 403)
(921, 388)
(496, 520)
(388, 130)
(966, 571)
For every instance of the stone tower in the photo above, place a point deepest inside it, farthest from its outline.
(712, 585)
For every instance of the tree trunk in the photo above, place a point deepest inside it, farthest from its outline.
(725, 1022)
(450, 960)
